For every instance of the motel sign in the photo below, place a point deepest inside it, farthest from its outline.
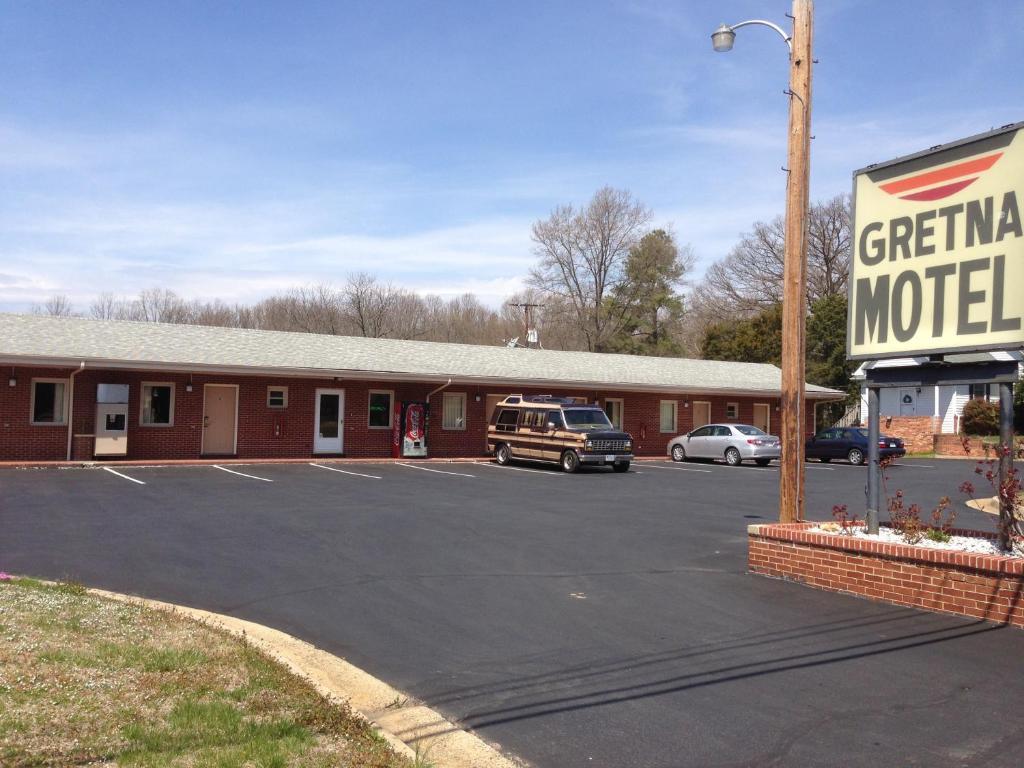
(938, 260)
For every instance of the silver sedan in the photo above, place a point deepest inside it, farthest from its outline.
(732, 442)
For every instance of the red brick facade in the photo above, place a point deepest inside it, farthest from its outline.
(981, 586)
(918, 432)
(264, 432)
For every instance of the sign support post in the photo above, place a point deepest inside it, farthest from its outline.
(1005, 462)
(874, 468)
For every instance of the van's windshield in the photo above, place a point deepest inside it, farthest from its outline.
(586, 418)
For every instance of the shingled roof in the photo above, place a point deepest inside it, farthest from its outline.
(53, 341)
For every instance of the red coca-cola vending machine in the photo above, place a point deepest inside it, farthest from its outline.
(409, 439)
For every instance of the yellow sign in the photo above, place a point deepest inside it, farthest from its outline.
(938, 251)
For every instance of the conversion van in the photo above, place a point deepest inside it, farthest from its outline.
(557, 429)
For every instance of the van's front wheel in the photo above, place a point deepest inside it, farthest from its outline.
(570, 461)
(503, 455)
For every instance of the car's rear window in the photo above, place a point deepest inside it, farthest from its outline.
(747, 430)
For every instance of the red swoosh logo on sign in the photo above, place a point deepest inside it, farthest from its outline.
(924, 183)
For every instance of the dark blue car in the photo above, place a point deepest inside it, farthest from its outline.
(850, 443)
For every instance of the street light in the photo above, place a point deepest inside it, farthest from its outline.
(791, 480)
(723, 37)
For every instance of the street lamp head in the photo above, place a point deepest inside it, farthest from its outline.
(722, 38)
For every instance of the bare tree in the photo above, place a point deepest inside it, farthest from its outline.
(370, 306)
(57, 305)
(749, 279)
(314, 309)
(161, 305)
(582, 254)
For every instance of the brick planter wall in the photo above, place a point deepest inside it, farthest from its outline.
(980, 586)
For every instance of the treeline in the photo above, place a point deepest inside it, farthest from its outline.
(741, 300)
(605, 280)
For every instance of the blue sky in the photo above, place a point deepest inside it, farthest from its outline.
(235, 149)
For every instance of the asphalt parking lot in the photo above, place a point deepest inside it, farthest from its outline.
(594, 619)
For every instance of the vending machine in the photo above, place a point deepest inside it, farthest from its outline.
(410, 435)
(111, 420)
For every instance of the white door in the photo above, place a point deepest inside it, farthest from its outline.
(329, 420)
(908, 404)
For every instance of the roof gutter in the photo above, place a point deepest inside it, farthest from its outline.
(71, 404)
(502, 383)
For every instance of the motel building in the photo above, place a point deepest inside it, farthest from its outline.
(83, 390)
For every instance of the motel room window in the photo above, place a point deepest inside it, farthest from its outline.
(380, 408)
(157, 404)
(49, 401)
(732, 411)
(668, 415)
(277, 397)
(453, 411)
(613, 409)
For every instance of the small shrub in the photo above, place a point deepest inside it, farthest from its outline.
(936, 534)
(906, 520)
(847, 522)
(980, 417)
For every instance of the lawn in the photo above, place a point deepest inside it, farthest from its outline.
(84, 680)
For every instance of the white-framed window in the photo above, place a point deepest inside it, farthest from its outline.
(380, 405)
(732, 411)
(453, 410)
(49, 401)
(277, 397)
(669, 411)
(613, 409)
(157, 406)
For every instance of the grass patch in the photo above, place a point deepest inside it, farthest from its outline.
(88, 680)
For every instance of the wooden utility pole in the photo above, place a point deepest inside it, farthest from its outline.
(791, 482)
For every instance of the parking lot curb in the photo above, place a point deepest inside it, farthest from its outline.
(413, 730)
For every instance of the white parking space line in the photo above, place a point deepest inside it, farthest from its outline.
(523, 469)
(115, 472)
(428, 469)
(241, 474)
(678, 469)
(819, 466)
(919, 466)
(344, 472)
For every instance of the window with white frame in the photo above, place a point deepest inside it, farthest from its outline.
(613, 409)
(669, 409)
(453, 410)
(157, 408)
(380, 406)
(277, 397)
(49, 401)
(732, 411)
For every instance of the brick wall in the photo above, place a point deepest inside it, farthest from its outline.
(265, 432)
(979, 586)
(918, 432)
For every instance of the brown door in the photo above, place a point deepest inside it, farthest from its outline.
(492, 402)
(701, 414)
(219, 411)
(761, 420)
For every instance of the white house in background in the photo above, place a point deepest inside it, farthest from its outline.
(944, 404)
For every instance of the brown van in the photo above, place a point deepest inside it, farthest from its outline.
(556, 429)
